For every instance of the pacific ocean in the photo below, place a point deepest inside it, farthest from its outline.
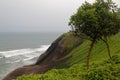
(22, 48)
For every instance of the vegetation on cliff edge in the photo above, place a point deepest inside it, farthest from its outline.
(97, 21)
(101, 67)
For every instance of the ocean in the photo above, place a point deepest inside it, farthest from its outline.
(18, 49)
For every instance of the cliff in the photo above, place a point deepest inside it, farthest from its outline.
(56, 53)
(101, 67)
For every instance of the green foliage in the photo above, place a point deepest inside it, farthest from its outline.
(103, 72)
(101, 67)
(98, 71)
(115, 59)
(71, 41)
(99, 53)
(97, 20)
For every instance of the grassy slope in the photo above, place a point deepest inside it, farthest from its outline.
(77, 62)
(99, 52)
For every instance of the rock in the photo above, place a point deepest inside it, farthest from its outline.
(56, 52)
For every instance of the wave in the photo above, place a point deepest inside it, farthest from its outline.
(24, 52)
(20, 60)
(13, 61)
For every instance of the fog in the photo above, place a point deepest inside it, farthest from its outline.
(37, 15)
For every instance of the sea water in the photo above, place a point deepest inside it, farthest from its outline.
(18, 49)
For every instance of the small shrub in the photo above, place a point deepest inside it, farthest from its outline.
(98, 71)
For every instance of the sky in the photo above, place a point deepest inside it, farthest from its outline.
(37, 15)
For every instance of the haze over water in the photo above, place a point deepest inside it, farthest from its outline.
(18, 49)
(28, 27)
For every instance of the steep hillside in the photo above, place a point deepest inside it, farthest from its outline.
(60, 48)
(99, 52)
(101, 67)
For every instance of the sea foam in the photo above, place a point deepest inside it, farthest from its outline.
(25, 52)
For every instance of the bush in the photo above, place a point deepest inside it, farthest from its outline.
(105, 70)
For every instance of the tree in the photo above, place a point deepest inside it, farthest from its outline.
(97, 21)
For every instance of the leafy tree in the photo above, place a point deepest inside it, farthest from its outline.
(97, 21)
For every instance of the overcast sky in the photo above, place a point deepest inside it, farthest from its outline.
(37, 15)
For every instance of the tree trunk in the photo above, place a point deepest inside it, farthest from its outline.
(89, 54)
(108, 48)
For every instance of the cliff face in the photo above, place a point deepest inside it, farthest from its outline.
(58, 51)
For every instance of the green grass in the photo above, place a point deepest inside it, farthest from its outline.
(99, 52)
(103, 71)
(101, 68)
